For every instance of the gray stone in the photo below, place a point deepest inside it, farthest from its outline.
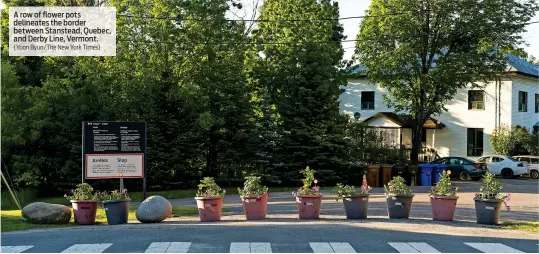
(45, 213)
(154, 209)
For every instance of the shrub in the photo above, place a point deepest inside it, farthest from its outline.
(491, 190)
(83, 191)
(397, 186)
(208, 188)
(346, 190)
(308, 180)
(252, 187)
(443, 187)
(113, 195)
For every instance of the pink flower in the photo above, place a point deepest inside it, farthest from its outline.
(224, 191)
(65, 195)
(508, 208)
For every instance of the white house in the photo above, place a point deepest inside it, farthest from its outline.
(471, 115)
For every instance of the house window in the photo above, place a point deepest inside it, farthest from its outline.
(476, 99)
(536, 103)
(367, 100)
(475, 142)
(535, 130)
(522, 101)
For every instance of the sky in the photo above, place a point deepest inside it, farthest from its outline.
(350, 8)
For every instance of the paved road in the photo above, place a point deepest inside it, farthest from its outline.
(283, 232)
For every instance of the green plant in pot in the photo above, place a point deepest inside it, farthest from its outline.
(356, 201)
(209, 200)
(116, 206)
(443, 198)
(308, 197)
(489, 200)
(398, 198)
(254, 197)
(84, 204)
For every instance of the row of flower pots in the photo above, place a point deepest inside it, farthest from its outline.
(84, 202)
(443, 199)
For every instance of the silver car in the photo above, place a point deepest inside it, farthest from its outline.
(533, 164)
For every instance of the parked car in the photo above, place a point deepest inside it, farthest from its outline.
(462, 168)
(505, 166)
(533, 164)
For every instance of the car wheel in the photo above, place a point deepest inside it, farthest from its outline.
(507, 173)
(476, 178)
(534, 174)
(464, 176)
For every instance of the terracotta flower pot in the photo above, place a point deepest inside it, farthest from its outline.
(255, 207)
(117, 211)
(309, 206)
(356, 206)
(398, 206)
(488, 210)
(84, 211)
(443, 207)
(209, 208)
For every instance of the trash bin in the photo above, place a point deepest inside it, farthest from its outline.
(385, 174)
(425, 170)
(437, 170)
(373, 174)
(402, 171)
(413, 170)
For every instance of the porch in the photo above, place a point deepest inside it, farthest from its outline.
(398, 132)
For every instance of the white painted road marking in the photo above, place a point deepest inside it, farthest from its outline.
(413, 247)
(333, 247)
(403, 248)
(15, 249)
(87, 248)
(168, 247)
(493, 247)
(248, 247)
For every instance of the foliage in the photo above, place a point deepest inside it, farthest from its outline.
(443, 187)
(415, 56)
(113, 195)
(346, 190)
(208, 188)
(252, 187)
(308, 181)
(513, 140)
(83, 191)
(372, 145)
(491, 190)
(397, 186)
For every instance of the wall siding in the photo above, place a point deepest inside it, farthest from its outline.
(529, 118)
(451, 140)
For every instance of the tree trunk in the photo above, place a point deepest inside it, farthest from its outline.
(211, 159)
(417, 131)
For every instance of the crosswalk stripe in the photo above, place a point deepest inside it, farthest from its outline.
(248, 247)
(87, 248)
(320, 247)
(260, 248)
(168, 247)
(403, 248)
(15, 249)
(240, 247)
(342, 248)
(423, 247)
(493, 247)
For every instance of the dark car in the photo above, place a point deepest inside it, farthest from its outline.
(462, 168)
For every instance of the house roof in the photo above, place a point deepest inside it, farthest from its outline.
(514, 64)
(406, 121)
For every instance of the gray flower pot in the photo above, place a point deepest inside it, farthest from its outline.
(488, 210)
(398, 206)
(117, 211)
(356, 206)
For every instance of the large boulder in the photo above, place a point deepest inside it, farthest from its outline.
(45, 213)
(154, 209)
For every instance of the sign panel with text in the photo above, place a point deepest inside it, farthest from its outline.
(114, 149)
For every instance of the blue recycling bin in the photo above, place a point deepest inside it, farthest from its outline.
(425, 170)
(437, 170)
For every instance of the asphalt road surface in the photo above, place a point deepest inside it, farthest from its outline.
(283, 232)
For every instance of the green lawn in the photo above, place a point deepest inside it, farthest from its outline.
(532, 227)
(12, 220)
